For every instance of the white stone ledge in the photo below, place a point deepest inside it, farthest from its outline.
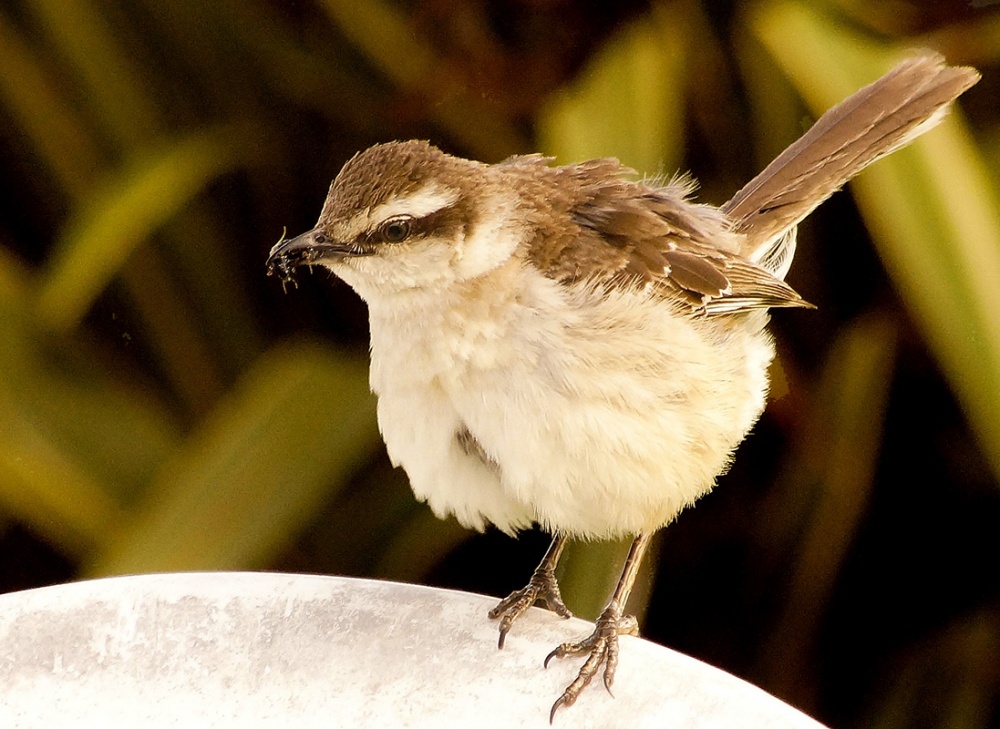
(258, 649)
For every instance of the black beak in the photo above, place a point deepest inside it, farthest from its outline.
(302, 250)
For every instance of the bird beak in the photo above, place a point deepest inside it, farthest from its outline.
(304, 250)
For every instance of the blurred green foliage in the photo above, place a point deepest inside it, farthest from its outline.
(164, 406)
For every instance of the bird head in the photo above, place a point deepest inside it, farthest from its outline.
(406, 216)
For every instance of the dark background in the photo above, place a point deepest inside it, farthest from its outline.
(164, 405)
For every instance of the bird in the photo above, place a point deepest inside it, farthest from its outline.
(571, 347)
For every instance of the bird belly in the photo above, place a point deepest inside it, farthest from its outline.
(618, 412)
(419, 425)
(601, 414)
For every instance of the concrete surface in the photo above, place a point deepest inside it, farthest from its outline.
(259, 649)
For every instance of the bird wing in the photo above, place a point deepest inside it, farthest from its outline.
(629, 234)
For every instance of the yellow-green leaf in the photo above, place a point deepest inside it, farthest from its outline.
(257, 468)
(120, 217)
(930, 208)
(627, 103)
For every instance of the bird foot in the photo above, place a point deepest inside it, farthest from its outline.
(542, 589)
(600, 647)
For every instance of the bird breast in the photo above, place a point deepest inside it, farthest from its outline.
(600, 413)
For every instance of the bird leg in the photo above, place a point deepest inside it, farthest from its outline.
(541, 588)
(601, 646)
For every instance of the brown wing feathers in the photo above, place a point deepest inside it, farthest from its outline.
(630, 234)
(696, 273)
(666, 245)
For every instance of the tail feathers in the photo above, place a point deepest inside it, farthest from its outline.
(875, 121)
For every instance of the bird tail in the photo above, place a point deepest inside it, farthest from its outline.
(873, 122)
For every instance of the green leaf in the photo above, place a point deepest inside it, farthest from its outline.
(113, 85)
(385, 34)
(628, 102)
(47, 489)
(930, 208)
(77, 441)
(588, 573)
(44, 115)
(119, 218)
(256, 470)
(823, 493)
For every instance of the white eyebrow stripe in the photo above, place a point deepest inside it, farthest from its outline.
(423, 202)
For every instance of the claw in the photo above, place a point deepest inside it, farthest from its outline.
(552, 655)
(559, 702)
(542, 589)
(610, 664)
(601, 647)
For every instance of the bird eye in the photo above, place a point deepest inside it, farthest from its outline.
(395, 230)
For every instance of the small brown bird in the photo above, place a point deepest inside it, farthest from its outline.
(563, 346)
